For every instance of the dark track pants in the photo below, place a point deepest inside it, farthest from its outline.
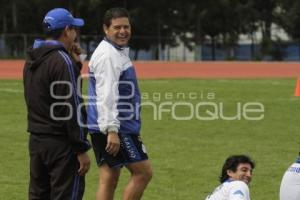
(53, 169)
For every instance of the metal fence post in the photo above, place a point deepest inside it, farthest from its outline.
(24, 44)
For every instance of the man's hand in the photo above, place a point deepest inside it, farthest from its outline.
(84, 161)
(75, 51)
(113, 143)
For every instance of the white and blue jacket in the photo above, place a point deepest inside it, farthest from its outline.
(230, 190)
(114, 96)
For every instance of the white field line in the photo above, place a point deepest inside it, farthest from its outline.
(10, 90)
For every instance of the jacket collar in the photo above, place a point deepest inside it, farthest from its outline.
(39, 43)
(114, 44)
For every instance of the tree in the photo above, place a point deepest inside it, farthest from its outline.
(4, 5)
(290, 18)
(158, 24)
(153, 25)
(266, 12)
(222, 21)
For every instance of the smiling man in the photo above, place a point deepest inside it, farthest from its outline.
(114, 111)
(235, 176)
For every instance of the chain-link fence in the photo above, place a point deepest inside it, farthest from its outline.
(14, 46)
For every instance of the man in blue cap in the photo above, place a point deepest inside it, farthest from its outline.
(57, 144)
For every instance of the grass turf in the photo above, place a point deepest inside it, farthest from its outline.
(186, 155)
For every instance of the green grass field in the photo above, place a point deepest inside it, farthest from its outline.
(186, 155)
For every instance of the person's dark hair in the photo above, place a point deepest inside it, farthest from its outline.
(232, 163)
(114, 13)
(54, 34)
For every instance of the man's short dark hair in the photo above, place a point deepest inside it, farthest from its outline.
(232, 163)
(114, 13)
(54, 34)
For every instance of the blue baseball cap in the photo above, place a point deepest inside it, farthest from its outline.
(59, 18)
